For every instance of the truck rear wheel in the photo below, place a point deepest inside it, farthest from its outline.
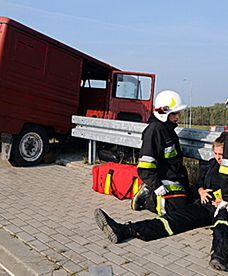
(29, 147)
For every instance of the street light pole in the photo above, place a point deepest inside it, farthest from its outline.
(190, 103)
(226, 111)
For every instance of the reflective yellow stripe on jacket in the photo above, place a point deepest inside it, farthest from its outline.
(160, 208)
(220, 222)
(146, 165)
(224, 166)
(174, 187)
(170, 152)
(147, 162)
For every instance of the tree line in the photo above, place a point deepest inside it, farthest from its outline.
(203, 115)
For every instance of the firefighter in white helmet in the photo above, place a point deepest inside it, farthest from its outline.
(165, 182)
(167, 102)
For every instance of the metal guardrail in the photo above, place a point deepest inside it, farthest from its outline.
(195, 143)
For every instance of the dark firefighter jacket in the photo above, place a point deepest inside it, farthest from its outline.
(224, 169)
(213, 176)
(160, 157)
(210, 178)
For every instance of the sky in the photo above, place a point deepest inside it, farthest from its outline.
(185, 43)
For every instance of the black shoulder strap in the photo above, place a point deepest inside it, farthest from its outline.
(131, 187)
(111, 172)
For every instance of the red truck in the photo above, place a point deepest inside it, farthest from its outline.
(43, 82)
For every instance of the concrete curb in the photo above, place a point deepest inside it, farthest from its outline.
(19, 258)
(14, 264)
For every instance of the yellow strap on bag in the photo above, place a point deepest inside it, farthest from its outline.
(107, 183)
(135, 186)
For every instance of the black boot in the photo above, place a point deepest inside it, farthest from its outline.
(115, 232)
(219, 250)
(217, 262)
(139, 201)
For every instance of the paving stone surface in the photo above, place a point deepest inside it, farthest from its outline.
(47, 213)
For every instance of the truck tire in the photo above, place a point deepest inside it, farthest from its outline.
(29, 147)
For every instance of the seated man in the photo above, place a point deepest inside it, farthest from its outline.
(219, 250)
(199, 214)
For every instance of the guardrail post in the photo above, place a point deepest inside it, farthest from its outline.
(92, 152)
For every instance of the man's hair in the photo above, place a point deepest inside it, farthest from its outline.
(219, 142)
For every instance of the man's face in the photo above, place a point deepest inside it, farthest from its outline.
(174, 117)
(218, 152)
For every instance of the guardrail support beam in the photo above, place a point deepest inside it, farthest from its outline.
(92, 152)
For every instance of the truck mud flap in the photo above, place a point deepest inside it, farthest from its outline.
(6, 143)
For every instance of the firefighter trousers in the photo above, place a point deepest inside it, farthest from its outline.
(187, 218)
(220, 236)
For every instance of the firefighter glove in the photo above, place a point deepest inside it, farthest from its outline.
(223, 204)
(160, 191)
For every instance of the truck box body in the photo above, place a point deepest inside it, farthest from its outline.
(39, 79)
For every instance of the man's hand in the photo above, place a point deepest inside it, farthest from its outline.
(216, 202)
(204, 195)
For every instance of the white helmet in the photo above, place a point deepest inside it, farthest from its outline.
(167, 102)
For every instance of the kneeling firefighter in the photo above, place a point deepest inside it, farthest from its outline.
(165, 182)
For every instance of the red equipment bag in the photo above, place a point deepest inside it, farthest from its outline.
(120, 180)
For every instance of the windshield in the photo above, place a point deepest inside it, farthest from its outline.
(133, 87)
